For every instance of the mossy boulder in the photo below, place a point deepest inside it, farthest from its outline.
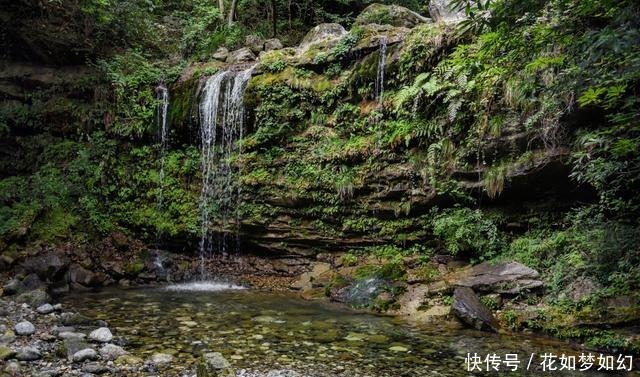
(394, 15)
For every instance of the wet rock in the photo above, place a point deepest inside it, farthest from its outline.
(71, 346)
(394, 15)
(71, 335)
(128, 360)
(12, 368)
(242, 55)
(254, 43)
(84, 355)
(221, 54)
(283, 373)
(440, 11)
(112, 352)
(49, 266)
(28, 354)
(102, 335)
(272, 44)
(25, 328)
(6, 353)
(34, 298)
(468, 308)
(56, 330)
(12, 287)
(45, 309)
(95, 368)
(321, 38)
(160, 359)
(75, 319)
(503, 277)
(213, 364)
(80, 275)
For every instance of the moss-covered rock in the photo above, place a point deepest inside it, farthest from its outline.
(394, 15)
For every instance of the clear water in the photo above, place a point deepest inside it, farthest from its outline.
(261, 331)
(380, 73)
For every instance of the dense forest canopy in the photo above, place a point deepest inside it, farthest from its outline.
(514, 134)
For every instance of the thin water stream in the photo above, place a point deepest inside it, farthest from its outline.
(260, 331)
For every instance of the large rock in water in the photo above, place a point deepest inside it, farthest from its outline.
(394, 15)
(82, 276)
(440, 10)
(468, 308)
(503, 277)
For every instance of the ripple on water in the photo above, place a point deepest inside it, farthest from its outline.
(203, 286)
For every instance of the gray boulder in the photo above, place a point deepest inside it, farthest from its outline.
(503, 277)
(213, 364)
(48, 266)
(254, 43)
(111, 352)
(322, 34)
(45, 309)
(95, 368)
(28, 354)
(159, 359)
(84, 355)
(221, 54)
(12, 287)
(80, 275)
(25, 328)
(468, 308)
(102, 335)
(243, 55)
(272, 44)
(394, 15)
(34, 298)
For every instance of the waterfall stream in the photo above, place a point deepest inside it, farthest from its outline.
(163, 137)
(221, 124)
(382, 60)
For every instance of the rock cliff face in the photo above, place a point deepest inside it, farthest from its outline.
(321, 169)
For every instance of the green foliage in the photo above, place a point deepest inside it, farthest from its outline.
(132, 78)
(463, 230)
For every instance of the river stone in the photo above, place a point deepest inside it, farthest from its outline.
(72, 345)
(95, 368)
(25, 328)
(6, 353)
(158, 359)
(74, 319)
(112, 352)
(242, 55)
(503, 277)
(468, 308)
(12, 368)
(85, 354)
(12, 287)
(28, 354)
(213, 364)
(34, 298)
(272, 44)
(71, 335)
(128, 360)
(45, 309)
(394, 15)
(283, 373)
(102, 335)
(440, 11)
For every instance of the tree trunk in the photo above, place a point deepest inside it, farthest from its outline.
(274, 18)
(232, 12)
(221, 8)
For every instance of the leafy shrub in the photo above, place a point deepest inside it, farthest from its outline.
(463, 230)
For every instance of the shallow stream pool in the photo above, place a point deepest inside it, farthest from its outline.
(261, 331)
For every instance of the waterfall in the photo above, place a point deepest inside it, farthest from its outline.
(221, 128)
(163, 136)
(380, 75)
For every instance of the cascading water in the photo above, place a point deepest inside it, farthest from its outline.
(222, 124)
(163, 137)
(382, 60)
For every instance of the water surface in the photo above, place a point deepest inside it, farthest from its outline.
(261, 331)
